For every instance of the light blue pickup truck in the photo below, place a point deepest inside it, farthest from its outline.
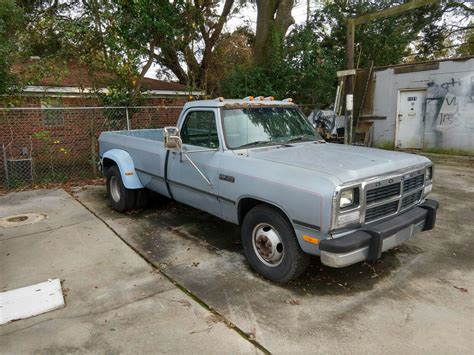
(258, 163)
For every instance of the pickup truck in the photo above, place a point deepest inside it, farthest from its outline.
(260, 164)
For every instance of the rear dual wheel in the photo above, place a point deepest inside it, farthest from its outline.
(121, 198)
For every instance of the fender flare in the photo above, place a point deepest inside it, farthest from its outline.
(126, 167)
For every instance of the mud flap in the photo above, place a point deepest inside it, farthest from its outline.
(375, 245)
(431, 207)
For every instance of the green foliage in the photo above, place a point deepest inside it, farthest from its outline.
(139, 21)
(304, 68)
(300, 69)
(11, 20)
(117, 96)
(467, 40)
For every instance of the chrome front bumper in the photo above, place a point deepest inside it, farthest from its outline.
(352, 257)
(369, 243)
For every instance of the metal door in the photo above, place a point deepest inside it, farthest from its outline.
(186, 183)
(410, 123)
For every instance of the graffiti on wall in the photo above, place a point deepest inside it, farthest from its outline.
(449, 114)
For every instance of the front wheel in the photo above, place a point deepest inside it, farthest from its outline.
(270, 245)
(121, 198)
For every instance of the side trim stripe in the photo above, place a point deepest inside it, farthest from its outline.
(202, 191)
(187, 187)
(307, 225)
(146, 172)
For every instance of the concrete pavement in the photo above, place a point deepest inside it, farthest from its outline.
(115, 301)
(413, 299)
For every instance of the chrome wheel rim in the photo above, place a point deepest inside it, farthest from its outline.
(267, 245)
(115, 189)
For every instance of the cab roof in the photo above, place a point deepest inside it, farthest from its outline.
(247, 102)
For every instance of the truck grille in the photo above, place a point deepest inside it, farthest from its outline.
(381, 193)
(411, 199)
(380, 200)
(413, 183)
(380, 211)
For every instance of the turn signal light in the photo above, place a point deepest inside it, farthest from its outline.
(311, 240)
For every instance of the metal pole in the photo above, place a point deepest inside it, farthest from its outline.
(128, 118)
(7, 180)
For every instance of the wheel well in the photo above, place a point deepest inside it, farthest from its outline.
(106, 165)
(246, 204)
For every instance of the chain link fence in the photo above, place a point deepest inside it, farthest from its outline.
(40, 145)
(44, 145)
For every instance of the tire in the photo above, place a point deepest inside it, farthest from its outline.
(286, 261)
(121, 198)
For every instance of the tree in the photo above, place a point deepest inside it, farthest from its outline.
(180, 36)
(11, 19)
(467, 42)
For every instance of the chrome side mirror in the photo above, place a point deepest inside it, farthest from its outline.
(172, 139)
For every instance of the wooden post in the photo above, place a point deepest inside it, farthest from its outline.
(350, 34)
(350, 23)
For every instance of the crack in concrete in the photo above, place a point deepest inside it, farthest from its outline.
(89, 313)
(227, 322)
(45, 231)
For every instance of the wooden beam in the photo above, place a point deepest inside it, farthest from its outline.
(347, 72)
(393, 11)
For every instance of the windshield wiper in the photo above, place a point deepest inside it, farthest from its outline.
(254, 143)
(294, 139)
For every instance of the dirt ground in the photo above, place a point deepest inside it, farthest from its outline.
(418, 297)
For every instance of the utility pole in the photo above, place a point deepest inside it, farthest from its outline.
(351, 24)
(308, 10)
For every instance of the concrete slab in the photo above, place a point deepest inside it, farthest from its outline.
(411, 300)
(115, 301)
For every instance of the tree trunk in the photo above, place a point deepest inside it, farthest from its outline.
(273, 20)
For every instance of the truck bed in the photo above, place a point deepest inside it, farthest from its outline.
(146, 150)
(149, 134)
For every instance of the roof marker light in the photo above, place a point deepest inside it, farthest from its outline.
(288, 100)
(220, 99)
(270, 98)
(248, 98)
(261, 98)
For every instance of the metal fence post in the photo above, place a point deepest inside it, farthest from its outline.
(7, 180)
(128, 118)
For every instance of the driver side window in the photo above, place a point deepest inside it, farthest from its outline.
(200, 129)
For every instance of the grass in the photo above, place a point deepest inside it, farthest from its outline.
(388, 145)
(449, 151)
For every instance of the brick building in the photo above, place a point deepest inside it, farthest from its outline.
(50, 133)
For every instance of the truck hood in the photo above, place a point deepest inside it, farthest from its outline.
(346, 163)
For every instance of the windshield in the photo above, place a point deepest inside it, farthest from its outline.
(247, 127)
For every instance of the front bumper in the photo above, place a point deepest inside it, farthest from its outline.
(368, 243)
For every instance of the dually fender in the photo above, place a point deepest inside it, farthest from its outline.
(125, 164)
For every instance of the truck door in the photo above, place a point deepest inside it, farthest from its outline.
(201, 142)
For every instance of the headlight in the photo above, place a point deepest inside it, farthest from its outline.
(429, 174)
(349, 198)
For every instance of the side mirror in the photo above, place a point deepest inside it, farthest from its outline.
(172, 139)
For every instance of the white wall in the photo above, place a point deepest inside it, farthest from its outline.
(449, 107)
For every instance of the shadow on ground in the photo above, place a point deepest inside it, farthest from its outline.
(217, 235)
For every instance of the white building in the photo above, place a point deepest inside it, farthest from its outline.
(424, 105)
